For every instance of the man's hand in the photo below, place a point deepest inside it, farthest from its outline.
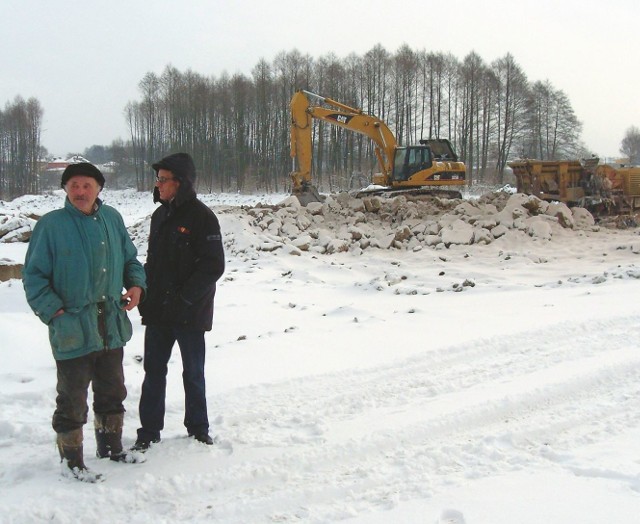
(132, 298)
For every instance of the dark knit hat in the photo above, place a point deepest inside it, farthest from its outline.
(180, 164)
(82, 169)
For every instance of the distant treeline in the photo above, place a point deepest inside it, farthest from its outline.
(237, 126)
(20, 128)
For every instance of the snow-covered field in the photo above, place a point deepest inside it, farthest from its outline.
(489, 383)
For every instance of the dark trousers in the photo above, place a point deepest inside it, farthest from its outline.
(158, 343)
(103, 369)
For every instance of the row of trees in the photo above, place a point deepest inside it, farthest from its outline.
(237, 127)
(20, 128)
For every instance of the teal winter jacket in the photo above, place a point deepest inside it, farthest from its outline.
(81, 263)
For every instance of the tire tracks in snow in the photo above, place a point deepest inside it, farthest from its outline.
(364, 439)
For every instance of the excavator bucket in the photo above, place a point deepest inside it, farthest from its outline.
(306, 194)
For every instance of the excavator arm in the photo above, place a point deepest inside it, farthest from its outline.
(302, 113)
(301, 143)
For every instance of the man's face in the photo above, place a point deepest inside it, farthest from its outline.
(167, 184)
(82, 192)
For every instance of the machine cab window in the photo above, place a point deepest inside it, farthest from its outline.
(410, 160)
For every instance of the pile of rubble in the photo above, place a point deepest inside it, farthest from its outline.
(345, 224)
(15, 228)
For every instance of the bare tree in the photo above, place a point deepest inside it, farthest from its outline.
(146, 122)
(20, 130)
(472, 73)
(405, 65)
(432, 70)
(511, 108)
(552, 126)
(376, 97)
(630, 145)
(264, 137)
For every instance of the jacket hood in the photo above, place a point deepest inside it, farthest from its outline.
(183, 168)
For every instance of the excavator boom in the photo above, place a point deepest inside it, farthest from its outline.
(302, 113)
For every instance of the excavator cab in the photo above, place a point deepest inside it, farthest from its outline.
(432, 163)
(441, 149)
(410, 160)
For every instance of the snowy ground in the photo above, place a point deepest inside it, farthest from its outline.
(364, 387)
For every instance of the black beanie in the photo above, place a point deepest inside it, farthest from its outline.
(82, 169)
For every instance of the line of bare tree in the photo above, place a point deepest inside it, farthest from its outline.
(237, 127)
(20, 128)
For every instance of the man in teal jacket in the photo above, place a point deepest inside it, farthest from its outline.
(79, 260)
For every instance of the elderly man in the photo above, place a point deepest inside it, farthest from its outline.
(79, 260)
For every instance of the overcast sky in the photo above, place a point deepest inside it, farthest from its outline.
(83, 60)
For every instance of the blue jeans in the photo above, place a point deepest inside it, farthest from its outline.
(158, 343)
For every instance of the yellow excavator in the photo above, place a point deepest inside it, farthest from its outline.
(431, 167)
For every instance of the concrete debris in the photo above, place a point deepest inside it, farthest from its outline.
(343, 223)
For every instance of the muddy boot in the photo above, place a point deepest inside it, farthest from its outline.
(71, 456)
(109, 438)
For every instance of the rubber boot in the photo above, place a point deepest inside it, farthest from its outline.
(71, 452)
(108, 435)
(109, 438)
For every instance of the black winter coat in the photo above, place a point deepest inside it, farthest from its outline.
(185, 258)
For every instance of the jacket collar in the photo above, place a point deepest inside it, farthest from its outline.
(185, 193)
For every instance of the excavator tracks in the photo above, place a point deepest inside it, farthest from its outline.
(417, 192)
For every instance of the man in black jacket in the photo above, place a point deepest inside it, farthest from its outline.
(185, 259)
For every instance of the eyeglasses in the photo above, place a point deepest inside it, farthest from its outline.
(162, 179)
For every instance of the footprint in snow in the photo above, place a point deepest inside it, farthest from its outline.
(451, 516)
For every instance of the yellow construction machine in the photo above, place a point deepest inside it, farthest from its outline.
(601, 188)
(431, 167)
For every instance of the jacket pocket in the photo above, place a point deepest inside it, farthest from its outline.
(185, 259)
(123, 325)
(67, 332)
